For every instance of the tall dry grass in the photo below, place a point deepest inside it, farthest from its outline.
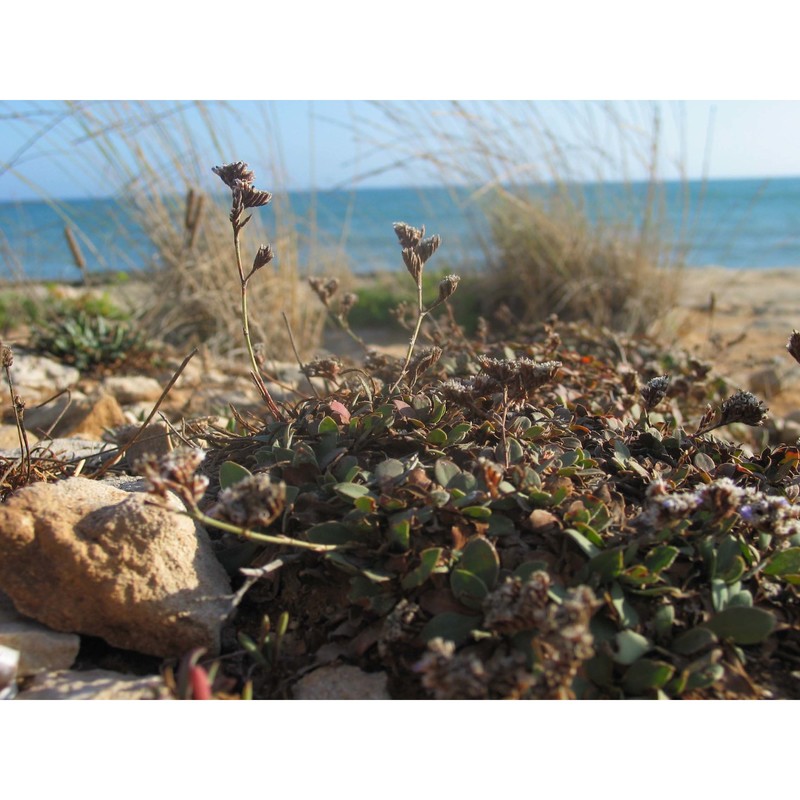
(569, 203)
(156, 159)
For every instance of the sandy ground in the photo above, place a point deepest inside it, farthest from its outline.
(740, 321)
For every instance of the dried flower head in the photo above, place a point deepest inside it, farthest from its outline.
(413, 263)
(793, 345)
(263, 257)
(349, 299)
(400, 626)
(457, 390)
(253, 198)
(662, 507)
(422, 361)
(501, 369)
(447, 287)
(255, 501)
(6, 356)
(560, 630)
(416, 250)
(520, 377)
(654, 391)
(743, 407)
(427, 247)
(408, 237)
(534, 375)
(770, 513)
(324, 367)
(243, 194)
(324, 289)
(234, 173)
(175, 471)
(450, 676)
(517, 605)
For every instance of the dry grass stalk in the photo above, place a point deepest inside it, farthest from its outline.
(548, 243)
(154, 158)
(77, 255)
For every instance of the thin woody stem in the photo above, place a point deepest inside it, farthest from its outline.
(245, 318)
(245, 533)
(421, 314)
(256, 373)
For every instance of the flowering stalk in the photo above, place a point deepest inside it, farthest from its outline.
(244, 195)
(416, 252)
(325, 290)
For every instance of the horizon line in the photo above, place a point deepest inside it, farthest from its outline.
(428, 186)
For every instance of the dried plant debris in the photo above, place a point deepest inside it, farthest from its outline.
(529, 520)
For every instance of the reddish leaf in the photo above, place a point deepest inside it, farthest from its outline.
(339, 410)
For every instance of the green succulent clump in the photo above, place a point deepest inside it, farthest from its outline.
(89, 341)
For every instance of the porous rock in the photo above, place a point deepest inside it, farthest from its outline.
(76, 415)
(9, 437)
(96, 684)
(132, 388)
(57, 411)
(81, 556)
(153, 441)
(40, 648)
(35, 374)
(341, 682)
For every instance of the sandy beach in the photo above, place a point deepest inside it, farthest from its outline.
(740, 321)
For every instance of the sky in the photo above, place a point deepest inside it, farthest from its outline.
(298, 78)
(61, 149)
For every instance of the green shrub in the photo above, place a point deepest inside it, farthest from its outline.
(89, 341)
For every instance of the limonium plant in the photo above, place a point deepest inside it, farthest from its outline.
(244, 195)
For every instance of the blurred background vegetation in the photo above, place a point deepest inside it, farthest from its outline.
(567, 212)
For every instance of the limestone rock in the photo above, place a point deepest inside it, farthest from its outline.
(9, 437)
(104, 413)
(341, 682)
(40, 376)
(128, 483)
(129, 389)
(96, 684)
(40, 419)
(76, 414)
(74, 448)
(81, 556)
(154, 441)
(40, 648)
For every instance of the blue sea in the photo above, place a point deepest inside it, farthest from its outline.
(752, 223)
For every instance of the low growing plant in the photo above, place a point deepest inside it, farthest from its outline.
(89, 341)
(522, 518)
